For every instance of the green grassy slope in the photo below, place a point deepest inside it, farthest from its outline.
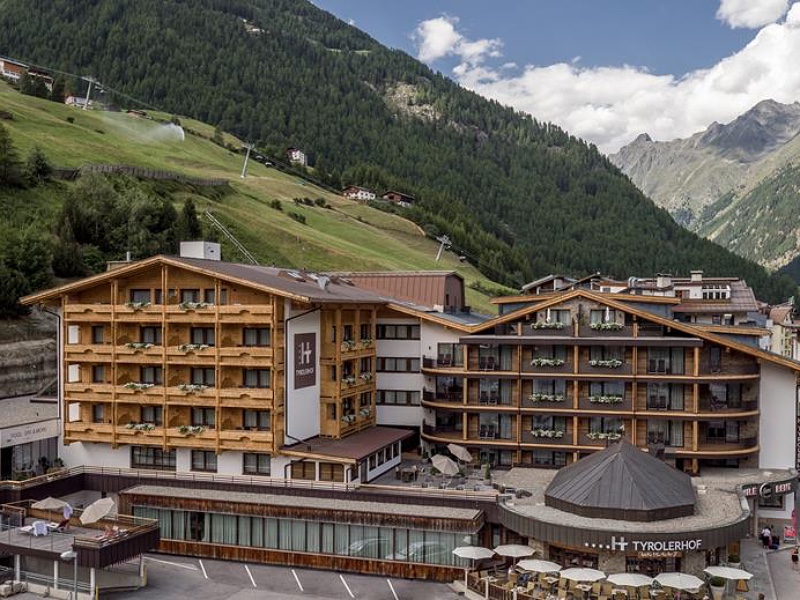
(347, 236)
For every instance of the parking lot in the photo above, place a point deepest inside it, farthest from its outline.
(205, 579)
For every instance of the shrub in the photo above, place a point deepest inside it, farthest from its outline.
(276, 204)
(70, 119)
(321, 202)
(300, 218)
(717, 582)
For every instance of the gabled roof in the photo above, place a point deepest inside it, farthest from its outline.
(622, 482)
(546, 279)
(295, 285)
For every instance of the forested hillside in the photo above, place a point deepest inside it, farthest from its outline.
(521, 198)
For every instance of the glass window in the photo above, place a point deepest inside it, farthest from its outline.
(98, 334)
(203, 417)
(203, 376)
(256, 419)
(203, 335)
(204, 460)
(153, 414)
(366, 331)
(398, 332)
(715, 359)
(98, 413)
(151, 335)
(397, 365)
(257, 464)
(256, 336)
(256, 378)
(98, 374)
(605, 425)
(140, 296)
(209, 296)
(152, 375)
(190, 296)
(669, 433)
(145, 457)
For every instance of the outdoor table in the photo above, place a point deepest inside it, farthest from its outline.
(584, 587)
(407, 474)
(615, 591)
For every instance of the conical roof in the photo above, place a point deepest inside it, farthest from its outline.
(622, 482)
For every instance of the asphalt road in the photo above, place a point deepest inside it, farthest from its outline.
(171, 577)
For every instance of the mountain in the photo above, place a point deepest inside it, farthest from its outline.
(733, 183)
(518, 197)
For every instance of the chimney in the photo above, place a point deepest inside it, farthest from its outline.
(663, 280)
(205, 250)
(696, 276)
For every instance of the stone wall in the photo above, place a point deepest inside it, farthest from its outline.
(27, 367)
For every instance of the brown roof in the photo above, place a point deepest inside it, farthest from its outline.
(354, 447)
(427, 288)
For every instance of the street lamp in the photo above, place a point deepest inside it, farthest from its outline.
(71, 555)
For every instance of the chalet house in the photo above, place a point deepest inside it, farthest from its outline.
(297, 157)
(355, 192)
(12, 69)
(78, 102)
(399, 198)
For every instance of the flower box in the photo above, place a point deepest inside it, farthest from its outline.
(366, 376)
(547, 325)
(137, 305)
(193, 305)
(348, 345)
(547, 433)
(539, 397)
(611, 436)
(605, 326)
(609, 363)
(191, 388)
(349, 419)
(605, 399)
(135, 385)
(190, 347)
(365, 412)
(366, 342)
(191, 429)
(541, 361)
(139, 345)
(140, 426)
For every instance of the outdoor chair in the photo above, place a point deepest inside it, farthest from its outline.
(39, 528)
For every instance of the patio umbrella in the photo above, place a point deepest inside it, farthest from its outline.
(539, 566)
(728, 573)
(97, 510)
(514, 550)
(444, 464)
(679, 581)
(459, 452)
(582, 574)
(629, 579)
(50, 504)
(472, 553)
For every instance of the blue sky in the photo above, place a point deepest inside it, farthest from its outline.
(606, 70)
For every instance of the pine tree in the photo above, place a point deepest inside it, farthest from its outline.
(37, 168)
(10, 168)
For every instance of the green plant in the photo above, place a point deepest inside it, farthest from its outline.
(276, 204)
(733, 558)
(300, 218)
(716, 582)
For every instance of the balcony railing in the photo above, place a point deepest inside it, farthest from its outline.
(440, 363)
(709, 405)
(439, 396)
(605, 330)
(550, 437)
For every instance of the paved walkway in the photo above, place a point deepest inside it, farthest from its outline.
(787, 581)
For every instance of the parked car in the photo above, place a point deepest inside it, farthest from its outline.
(369, 548)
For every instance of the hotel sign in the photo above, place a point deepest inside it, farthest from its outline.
(33, 432)
(769, 489)
(305, 360)
(665, 547)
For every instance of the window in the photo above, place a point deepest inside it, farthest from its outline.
(365, 365)
(256, 378)
(152, 375)
(724, 396)
(366, 331)
(153, 414)
(159, 296)
(493, 425)
(204, 460)
(550, 386)
(203, 335)
(723, 432)
(209, 296)
(256, 419)
(98, 413)
(546, 458)
(256, 336)
(664, 396)
(605, 425)
(398, 365)
(665, 360)
(143, 457)
(549, 422)
(552, 315)
(140, 296)
(607, 388)
(450, 355)
(98, 374)
(151, 335)
(333, 333)
(398, 397)
(256, 464)
(715, 359)
(669, 433)
(190, 296)
(557, 352)
(98, 334)
(203, 376)
(348, 333)
(398, 332)
(603, 315)
(606, 353)
(203, 417)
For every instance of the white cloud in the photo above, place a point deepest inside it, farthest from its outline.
(751, 14)
(437, 38)
(610, 106)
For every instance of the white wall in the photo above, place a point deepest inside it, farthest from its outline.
(183, 460)
(230, 463)
(403, 414)
(93, 454)
(778, 422)
(409, 416)
(302, 406)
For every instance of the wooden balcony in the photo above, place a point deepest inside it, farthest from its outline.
(441, 366)
(256, 398)
(245, 313)
(565, 439)
(152, 313)
(191, 397)
(450, 398)
(153, 437)
(585, 440)
(94, 353)
(95, 392)
(151, 395)
(711, 409)
(246, 356)
(245, 439)
(626, 331)
(81, 431)
(548, 331)
(206, 439)
(490, 365)
(357, 386)
(87, 312)
(625, 369)
(605, 403)
(189, 354)
(545, 369)
(716, 448)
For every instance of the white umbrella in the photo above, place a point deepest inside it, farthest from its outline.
(459, 452)
(97, 510)
(728, 573)
(679, 581)
(473, 553)
(582, 574)
(629, 579)
(514, 550)
(444, 464)
(539, 566)
(49, 503)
